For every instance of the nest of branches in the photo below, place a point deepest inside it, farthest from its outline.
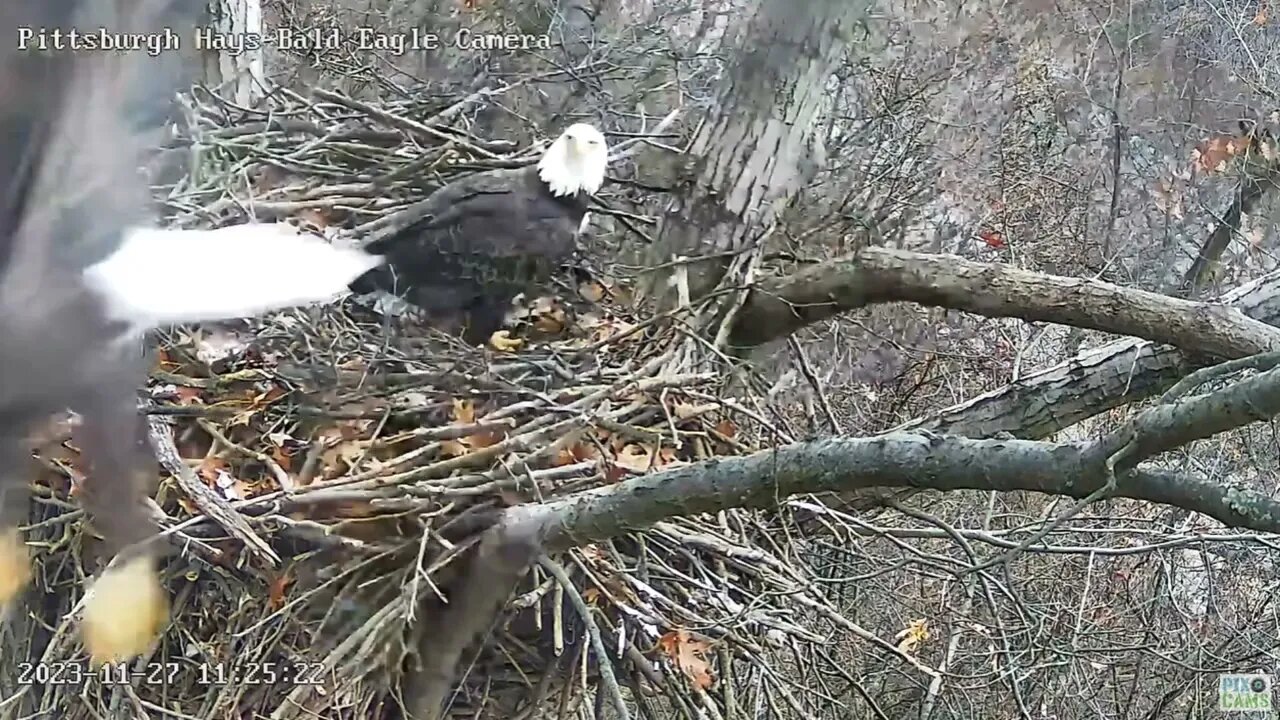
(325, 479)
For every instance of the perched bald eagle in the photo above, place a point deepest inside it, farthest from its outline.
(82, 276)
(481, 240)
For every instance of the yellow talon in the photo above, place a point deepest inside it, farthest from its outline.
(15, 565)
(503, 342)
(124, 613)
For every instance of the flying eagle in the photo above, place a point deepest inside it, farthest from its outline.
(83, 275)
(483, 239)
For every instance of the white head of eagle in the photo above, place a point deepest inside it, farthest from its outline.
(575, 161)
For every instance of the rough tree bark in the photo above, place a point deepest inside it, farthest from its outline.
(755, 148)
(237, 75)
(779, 307)
(1098, 380)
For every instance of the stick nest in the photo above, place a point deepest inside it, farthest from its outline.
(322, 479)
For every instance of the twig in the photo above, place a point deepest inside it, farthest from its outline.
(1259, 362)
(209, 502)
(282, 477)
(603, 660)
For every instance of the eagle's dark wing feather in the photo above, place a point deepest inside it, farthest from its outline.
(479, 242)
(69, 187)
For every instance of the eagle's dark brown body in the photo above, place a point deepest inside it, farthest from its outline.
(69, 187)
(480, 241)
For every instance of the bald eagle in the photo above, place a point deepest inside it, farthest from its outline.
(82, 275)
(481, 240)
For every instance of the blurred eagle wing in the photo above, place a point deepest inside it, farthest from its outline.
(77, 208)
(70, 183)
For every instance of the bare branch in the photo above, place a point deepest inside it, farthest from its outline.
(875, 275)
(926, 461)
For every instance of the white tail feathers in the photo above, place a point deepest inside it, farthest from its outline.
(164, 277)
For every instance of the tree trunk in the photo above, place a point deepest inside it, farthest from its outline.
(236, 73)
(756, 146)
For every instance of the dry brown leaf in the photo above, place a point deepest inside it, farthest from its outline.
(576, 453)
(667, 457)
(211, 469)
(608, 439)
(1214, 155)
(342, 454)
(1260, 18)
(348, 433)
(470, 443)
(726, 428)
(689, 653)
(613, 474)
(272, 394)
(187, 396)
(454, 448)
(282, 458)
(217, 474)
(278, 590)
(592, 291)
(634, 457)
(344, 445)
(911, 637)
(315, 217)
(482, 440)
(240, 490)
(550, 322)
(563, 457)
(464, 411)
(613, 330)
(993, 238)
